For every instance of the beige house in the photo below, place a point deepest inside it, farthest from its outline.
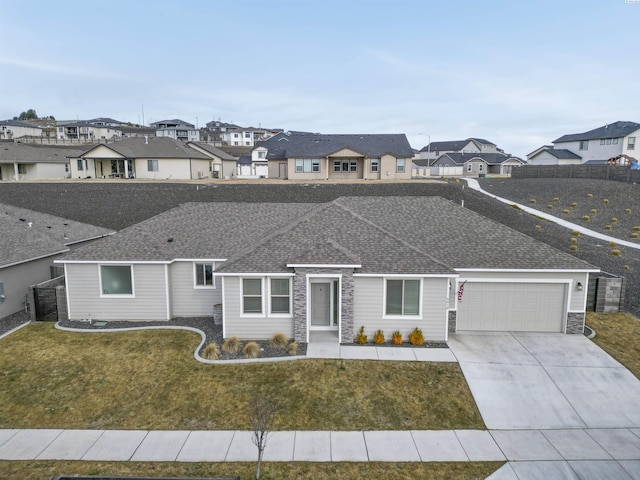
(304, 156)
(13, 129)
(152, 158)
(28, 161)
(221, 163)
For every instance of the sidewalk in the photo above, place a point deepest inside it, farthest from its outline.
(474, 185)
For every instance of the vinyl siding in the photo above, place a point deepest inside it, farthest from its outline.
(168, 168)
(186, 300)
(369, 309)
(16, 281)
(256, 328)
(83, 290)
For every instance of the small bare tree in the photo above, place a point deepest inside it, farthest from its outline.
(261, 410)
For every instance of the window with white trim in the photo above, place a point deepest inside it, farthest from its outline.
(152, 165)
(251, 295)
(22, 169)
(631, 143)
(204, 275)
(116, 280)
(584, 145)
(307, 165)
(262, 154)
(79, 164)
(280, 296)
(345, 166)
(400, 165)
(403, 297)
(469, 167)
(375, 165)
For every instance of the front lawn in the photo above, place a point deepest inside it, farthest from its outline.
(617, 334)
(150, 380)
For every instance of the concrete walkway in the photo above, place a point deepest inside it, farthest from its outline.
(473, 184)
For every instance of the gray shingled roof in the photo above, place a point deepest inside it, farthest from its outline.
(174, 121)
(383, 234)
(462, 158)
(560, 153)
(611, 130)
(318, 145)
(34, 153)
(151, 147)
(27, 234)
(214, 150)
(453, 145)
(17, 123)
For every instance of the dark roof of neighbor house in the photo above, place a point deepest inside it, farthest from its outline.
(27, 234)
(17, 123)
(453, 145)
(106, 120)
(611, 130)
(297, 145)
(244, 159)
(149, 147)
(175, 121)
(489, 158)
(427, 235)
(213, 149)
(217, 124)
(11, 152)
(559, 153)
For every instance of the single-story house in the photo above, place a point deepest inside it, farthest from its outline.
(30, 242)
(390, 263)
(30, 161)
(315, 156)
(548, 155)
(480, 163)
(141, 157)
(221, 165)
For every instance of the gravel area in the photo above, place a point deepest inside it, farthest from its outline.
(13, 321)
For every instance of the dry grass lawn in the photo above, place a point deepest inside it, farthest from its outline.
(617, 334)
(317, 471)
(150, 380)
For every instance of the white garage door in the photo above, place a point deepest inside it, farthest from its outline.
(514, 307)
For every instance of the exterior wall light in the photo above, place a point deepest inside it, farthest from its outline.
(579, 286)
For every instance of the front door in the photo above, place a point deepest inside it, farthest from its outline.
(321, 304)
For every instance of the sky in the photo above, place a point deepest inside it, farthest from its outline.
(518, 73)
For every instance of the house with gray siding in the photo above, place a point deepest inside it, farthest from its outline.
(389, 263)
(477, 163)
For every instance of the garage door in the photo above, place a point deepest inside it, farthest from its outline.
(514, 307)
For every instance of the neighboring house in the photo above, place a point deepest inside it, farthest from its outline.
(595, 146)
(470, 145)
(245, 137)
(389, 263)
(151, 158)
(28, 161)
(107, 122)
(221, 163)
(177, 129)
(13, 130)
(85, 132)
(317, 156)
(30, 242)
(479, 163)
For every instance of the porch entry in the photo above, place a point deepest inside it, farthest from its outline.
(323, 305)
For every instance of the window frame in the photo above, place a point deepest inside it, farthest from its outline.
(631, 143)
(79, 165)
(151, 163)
(345, 165)
(400, 165)
(204, 286)
(288, 313)
(583, 145)
(243, 312)
(375, 165)
(22, 169)
(307, 165)
(116, 295)
(385, 302)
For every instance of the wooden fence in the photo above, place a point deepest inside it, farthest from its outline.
(601, 172)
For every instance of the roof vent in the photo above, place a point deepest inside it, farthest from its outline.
(29, 224)
(170, 239)
(22, 220)
(146, 139)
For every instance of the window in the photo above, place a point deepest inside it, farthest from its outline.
(262, 154)
(80, 164)
(480, 167)
(469, 167)
(66, 167)
(614, 141)
(235, 135)
(204, 274)
(116, 280)
(602, 141)
(251, 295)
(608, 141)
(247, 143)
(211, 165)
(152, 165)
(631, 143)
(584, 144)
(403, 297)
(280, 295)
(235, 143)
(247, 134)
(375, 165)
(400, 165)
(307, 165)
(345, 166)
(22, 169)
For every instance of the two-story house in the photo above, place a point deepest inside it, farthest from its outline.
(86, 132)
(471, 145)
(245, 137)
(177, 129)
(595, 146)
(14, 129)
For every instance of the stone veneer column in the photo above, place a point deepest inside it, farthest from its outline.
(453, 316)
(300, 302)
(575, 322)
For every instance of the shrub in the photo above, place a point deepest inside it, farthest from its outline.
(556, 199)
(566, 211)
(636, 228)
(575, 233)
(533, 200)
(614, 220)
(396, 338)
(574, 248)
(627, 210)
(538, 227)
(593, 210)
(231, 345)
(251, 350)
(416, 337)
(606, 200)
(292, 349)
(574, 204)
(635, 235)
(378, 337)
(585, 218)
(589, 195)
(613, 244)
(361, 338)
(615, 252)
(550, 206)
(279, 340)
(608, 227)
(574, 240)
(626, 267)
(211, 352)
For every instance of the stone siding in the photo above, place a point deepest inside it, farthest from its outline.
(452, 317)
(609, 295)
(575, 322)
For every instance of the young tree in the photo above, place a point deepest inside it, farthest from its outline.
(261, 409)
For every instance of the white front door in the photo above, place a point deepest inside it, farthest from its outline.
(321, 304)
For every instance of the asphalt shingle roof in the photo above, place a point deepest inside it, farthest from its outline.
(612, 130)
(150, 147)
(384, 234)
(27, 234)
(453, 145)
(34, 153)
(214, 150)
(17, 123)
(562, 153)
(317, 145)
(490, 158)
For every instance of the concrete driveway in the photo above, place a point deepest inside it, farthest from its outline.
(546, 381)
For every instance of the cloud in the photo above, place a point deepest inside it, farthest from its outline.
(94, 72)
